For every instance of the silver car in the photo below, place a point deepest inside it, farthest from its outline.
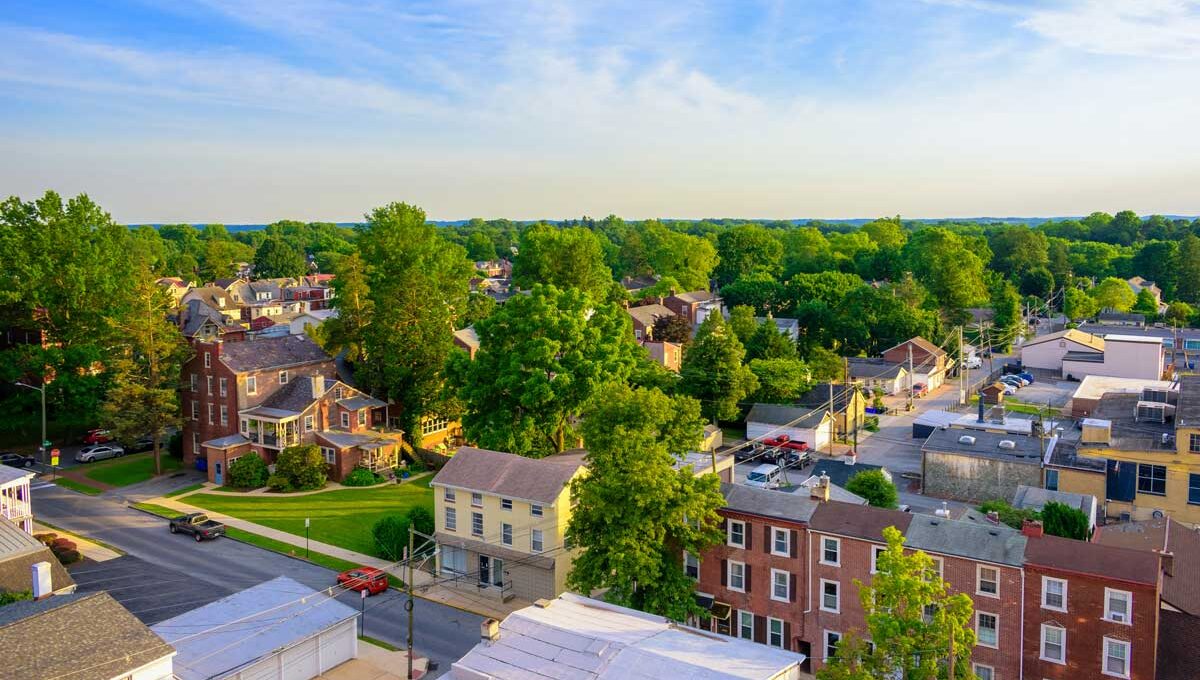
(91, 454)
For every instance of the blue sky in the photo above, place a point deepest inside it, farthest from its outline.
(255, 110)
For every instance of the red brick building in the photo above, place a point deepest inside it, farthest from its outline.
(688, 305)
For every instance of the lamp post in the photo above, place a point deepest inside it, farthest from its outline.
(42, 446)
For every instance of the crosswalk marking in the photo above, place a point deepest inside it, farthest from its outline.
(42, 485)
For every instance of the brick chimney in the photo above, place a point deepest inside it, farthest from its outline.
(993, 517)
(1167, 559)
(318, 386)
(1032, 528)
(820, 490)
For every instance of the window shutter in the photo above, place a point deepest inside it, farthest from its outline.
(787, 635)
(793, 539)
(724, 572)
(792, 588)
(749, 534)
(768, 540)
(760, 629)
(747, 571)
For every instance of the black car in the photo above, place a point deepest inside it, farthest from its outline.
(16, 460)
(746, 453)
(143, 443)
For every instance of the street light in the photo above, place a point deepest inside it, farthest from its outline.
(42, 389)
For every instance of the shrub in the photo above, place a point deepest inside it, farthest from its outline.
(391, 536)
(1008, 514)
(68, 556)
(175, 445)
(421, 519)
(303, 466)
(248, 472)
(279, 483)
(7, 597)
(360, 476)
(871, 424)
(1059, 519)
(873, 486)
(63, 544)
(46, 538)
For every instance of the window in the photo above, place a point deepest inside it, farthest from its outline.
(362, 417)
(346, 419)
(224, 386)
(781, 542)
(476, 500)
(781, 585)
(745, 625)
(737, 534)
(691, 566)
(506, 504)
(476, 523)
(988, 582)
(195, 410)
(939, 565)
(454, 560)
(245, 426)
(433, 424)
(987, 629)
(212, 413)
(1117, 605)
(283, 376)
(1152, 479)
(535, 509)
(329, 454)
(775, 633)
(984, 672)
(251, 384)
(451, 519)
(1194, 489)
(1054, 594)
(737, 576)
(506, 534)
(1052, 480)
(448, 495)
(929, 612)
(224, 414)
(1194, 443)
(831, 644)
(308, 423)
(196, 442)
(195, 381)
(208, 359)
(1054, 643)
(535, 540)
(831, 551)
(208, 385)
(1116, 657)
(876, 551)
(831, 597)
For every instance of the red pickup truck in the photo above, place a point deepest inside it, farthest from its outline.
(784, 441)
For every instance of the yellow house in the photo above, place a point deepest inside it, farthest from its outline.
(501, 521)
(849, 406)
(1150, 445)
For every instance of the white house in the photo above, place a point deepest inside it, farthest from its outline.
(15, 503)
(1122, 356)
(1048, 351)
(801, 424)
(314, 317)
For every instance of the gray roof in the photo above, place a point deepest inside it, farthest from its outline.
(983, 542)
(507, 474)
(197, 313)
(18, 552)
(227, 442)
(1036, 498)
(819, 396)
(60, 636)
(790, 416)
(361, 401)
(468, 336)
(695, 296)
(1187, 413)
(267, 353)
(839, 472)
(9, 473)
(267, 412)
(785, 325)
(796, 507)
(870, 367)
(648, 314)
(345, 440)
(280, 612)
(1066, 454)
(1027, 449)
(296, 396)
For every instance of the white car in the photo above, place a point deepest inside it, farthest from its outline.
(91, 454)
(765, 476)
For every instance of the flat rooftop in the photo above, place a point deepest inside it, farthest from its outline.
(1024, 448)
(1096, 386)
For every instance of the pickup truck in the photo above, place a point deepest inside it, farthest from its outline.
(197, 524)
(784, 441)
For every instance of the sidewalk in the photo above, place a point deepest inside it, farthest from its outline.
(423, 581)
(377, 663)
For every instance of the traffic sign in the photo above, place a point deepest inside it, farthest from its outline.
(54, 457)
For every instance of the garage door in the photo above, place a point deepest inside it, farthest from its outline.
(300, 661)
(338, 645)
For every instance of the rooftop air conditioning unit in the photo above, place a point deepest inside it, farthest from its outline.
(966, 439)
(1007, 444)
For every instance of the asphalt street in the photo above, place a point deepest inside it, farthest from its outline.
(172, 573)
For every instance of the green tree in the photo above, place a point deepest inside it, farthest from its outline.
(1179, 312)
(672, 328)
(635, 515)
(805, 250)
(276, 258)
(768, 342)
(911, 619)
(249, 471)
(1079, 305)
(687, 259)
(1123, 229)
(1010, 516)
(952, 272)
(144, 395)
(1113, 293)
(347, 332)
(417, 285)
(302, 466)
(1092, 258)
(747, 249)
(1158, 261)
(1017, 250)
(542, 358)
(872, 485)
(759, 291)
(479, 307)
(780, 381)
(824, 364)
(1059, 519)
(713, 372)
(566, 258)
(870, 320)
(1006, 323)
(221, 256)
(742, 322)
(1038, 282)
(1147, 304)
(886, 232)
(480, 247)
(1188, 288)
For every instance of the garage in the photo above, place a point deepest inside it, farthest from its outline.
(814, 426)
(297, 633)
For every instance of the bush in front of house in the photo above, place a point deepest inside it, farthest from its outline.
(279, 484)
(391, 531)
(303, 466)
(248, 472)
(63, 548)
(360, 476)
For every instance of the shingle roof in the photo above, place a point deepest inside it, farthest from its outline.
(61, 635)
(819, 396)
(266, 353)
(647, 314)
(983, 542)
(226, 442)
(797, 507)
(1181, 589)
(507, 474)
(468, 336)
(923, 344)
(695, 296)
(1072, 334)
(870, 367)
(18, 552)
(839, 472)
(790, 416)
(1178, 647)
(1124, 564)
(859, 521)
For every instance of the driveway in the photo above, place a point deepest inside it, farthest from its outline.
(213, 569)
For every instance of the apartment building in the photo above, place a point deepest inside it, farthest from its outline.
(501, 522)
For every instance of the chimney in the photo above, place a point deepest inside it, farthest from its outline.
(993, 517)
(1032, 528)
(318, 386)
(1168, 562)
(489, 630)
(40, 573)
(820, 490)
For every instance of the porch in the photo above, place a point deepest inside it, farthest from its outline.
(270, 427)
(15, 505)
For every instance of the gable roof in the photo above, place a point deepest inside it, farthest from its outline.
(819, 396)
(297, 395)
(1181, 588)
(266, 353)
(60, 635)
(212, 295)
(873, 368)
(468, 336)
(694, 296)
(771, 503)
(648, 314)
(18, 552)
(972, 540)
(506, 474)
(788, 416)
(1095, 559)
(1075, 335)
(858, 521)
(924, 344)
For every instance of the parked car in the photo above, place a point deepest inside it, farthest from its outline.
(765, 476)
(974, 362)
(97, 436)
(16, 460)
(792, 458)
(370, 579)
(1027, 377)
(784, 441)
(746, 453)
(1013, 380)
(198, 525)
(919, 390)
(143, 443)
(1009, 389)
(91, 454)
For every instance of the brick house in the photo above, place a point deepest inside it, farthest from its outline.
(929, 362)
(692, 306)
(644, 318)
(312, 297)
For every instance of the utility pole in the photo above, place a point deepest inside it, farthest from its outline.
(409, 605)
(831, 412)
(910, 378)
(43, 445)
(962, 370)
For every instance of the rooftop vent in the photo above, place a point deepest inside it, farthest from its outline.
(966, 439)
(1007, 444)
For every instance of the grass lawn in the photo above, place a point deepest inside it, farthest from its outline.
(127, 470)
(186, 489)
(261, 541)
(343, 518)
(1013, 406)
(77, 486)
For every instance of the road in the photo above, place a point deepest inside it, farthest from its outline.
(217, 568)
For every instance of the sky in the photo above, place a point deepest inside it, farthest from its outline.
(246, 111)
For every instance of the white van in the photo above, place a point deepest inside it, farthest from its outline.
(765, 476)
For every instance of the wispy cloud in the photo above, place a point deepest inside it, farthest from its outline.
(1142, 28)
